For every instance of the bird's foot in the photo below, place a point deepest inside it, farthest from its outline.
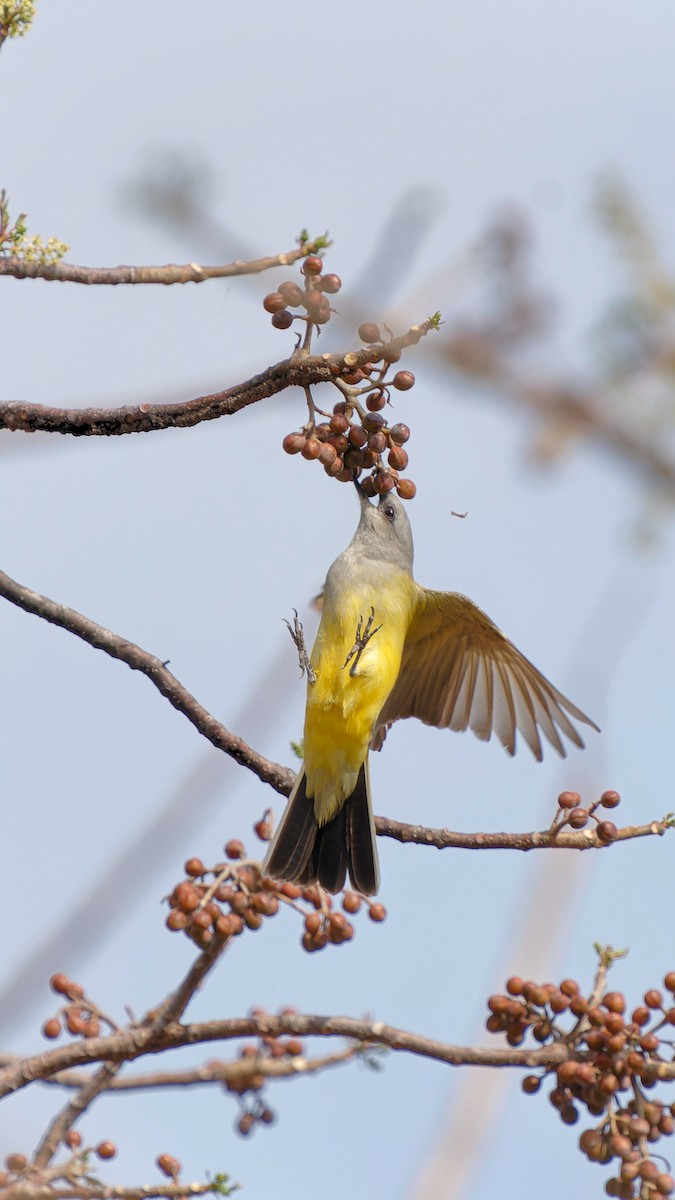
(361, 640)
(298, 634)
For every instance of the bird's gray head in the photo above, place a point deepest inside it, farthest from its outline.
(384, 532)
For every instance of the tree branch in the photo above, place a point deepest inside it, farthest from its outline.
(280, 778)
(548, 839)
(21, 268)
(300, 370)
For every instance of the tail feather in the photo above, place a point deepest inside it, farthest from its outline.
(305, 852)
(295, 838)
(364, 870)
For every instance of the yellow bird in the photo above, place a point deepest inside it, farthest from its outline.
(386, 649)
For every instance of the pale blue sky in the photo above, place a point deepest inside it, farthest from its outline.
(198, 543)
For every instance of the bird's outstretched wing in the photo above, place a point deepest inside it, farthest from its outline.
(458, 671)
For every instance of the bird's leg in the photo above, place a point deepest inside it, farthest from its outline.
(361, 641)
(298, 634)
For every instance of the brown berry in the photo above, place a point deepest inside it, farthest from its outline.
(311, 448)
(51, 1028)
(282, 320)
(578, 818)
(246, 1123)
(653, 998)
(313, 265)
(358, 436)
(406, 489)
(73, 1139)
(331, 284)
(293, 443)
(403, 381)
(375, 401)
(369, 332)
(377, 912)
(328, 454)
(669, 981)
(531, 1084)
(16, 1163)
(569, 799)
(398, 458)
(234, 848)
(168, 1165)
(194, 866)
(339, 423)
(291, 293)
(390, 354)
(377, 442)
(106, 1150)
(60, 984)
(607, 831)
(610, 799)
(399, 434)
(274, 302)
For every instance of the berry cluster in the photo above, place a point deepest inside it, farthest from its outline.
(224, 900)
(255, 1055)
(355, 436)
(571, 812)
(613, 1060)
(18, 1167)
(80, 1016)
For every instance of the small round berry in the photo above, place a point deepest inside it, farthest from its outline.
(246, 1123)
(194, 866)
(311, 448)
(665, 1184)
(383, 483)
(331, 284)
(357, 436)
(291, 293)
(531, 1084)
(653, 998)
(374, 422)
(274, 302)
(177, 920)
(377, 912)
(73, 1139)
(614, 1002)
(406, 489)
(186, 897)
(569, 799)
(293, 443)
(369, 486)
(168, 1165)
(16, 1163)
(390, 353)
(339, 423)
(51, 1028)
(313, 265)
(234, 848)
(607, 832)
(106, 1150)
(351, 902)
(59, 983)
(669, 981)
(282, 320)
(369, 332)
(399, 434)
(403, 381)
(640, 1015)
(610, 799)
(375, 401)
(398, 458)
(578, 818)
(321, 313)
(377, 442)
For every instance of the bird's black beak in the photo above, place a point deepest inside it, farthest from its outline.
(363, 497)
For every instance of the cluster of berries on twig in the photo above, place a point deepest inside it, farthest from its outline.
(614, 1060)
(355, 436)
(224, 900)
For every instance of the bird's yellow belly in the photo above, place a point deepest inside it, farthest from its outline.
(342, 708)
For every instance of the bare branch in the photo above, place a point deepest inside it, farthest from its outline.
(64, 272)
(25, 1189)
(138, 659)
(57, 1129)
(547, 839)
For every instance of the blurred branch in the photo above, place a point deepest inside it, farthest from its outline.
(229, 1073)
(21, 268)
(26, 1189)
(280, 778)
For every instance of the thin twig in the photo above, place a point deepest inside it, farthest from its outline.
(546, 839)
(171, 273)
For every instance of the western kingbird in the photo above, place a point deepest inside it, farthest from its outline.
(386, 649)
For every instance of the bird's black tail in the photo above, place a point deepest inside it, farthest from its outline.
(305, 852)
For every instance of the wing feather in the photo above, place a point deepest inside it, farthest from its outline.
(459, 671)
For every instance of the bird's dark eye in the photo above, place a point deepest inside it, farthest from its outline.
(389, 512)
